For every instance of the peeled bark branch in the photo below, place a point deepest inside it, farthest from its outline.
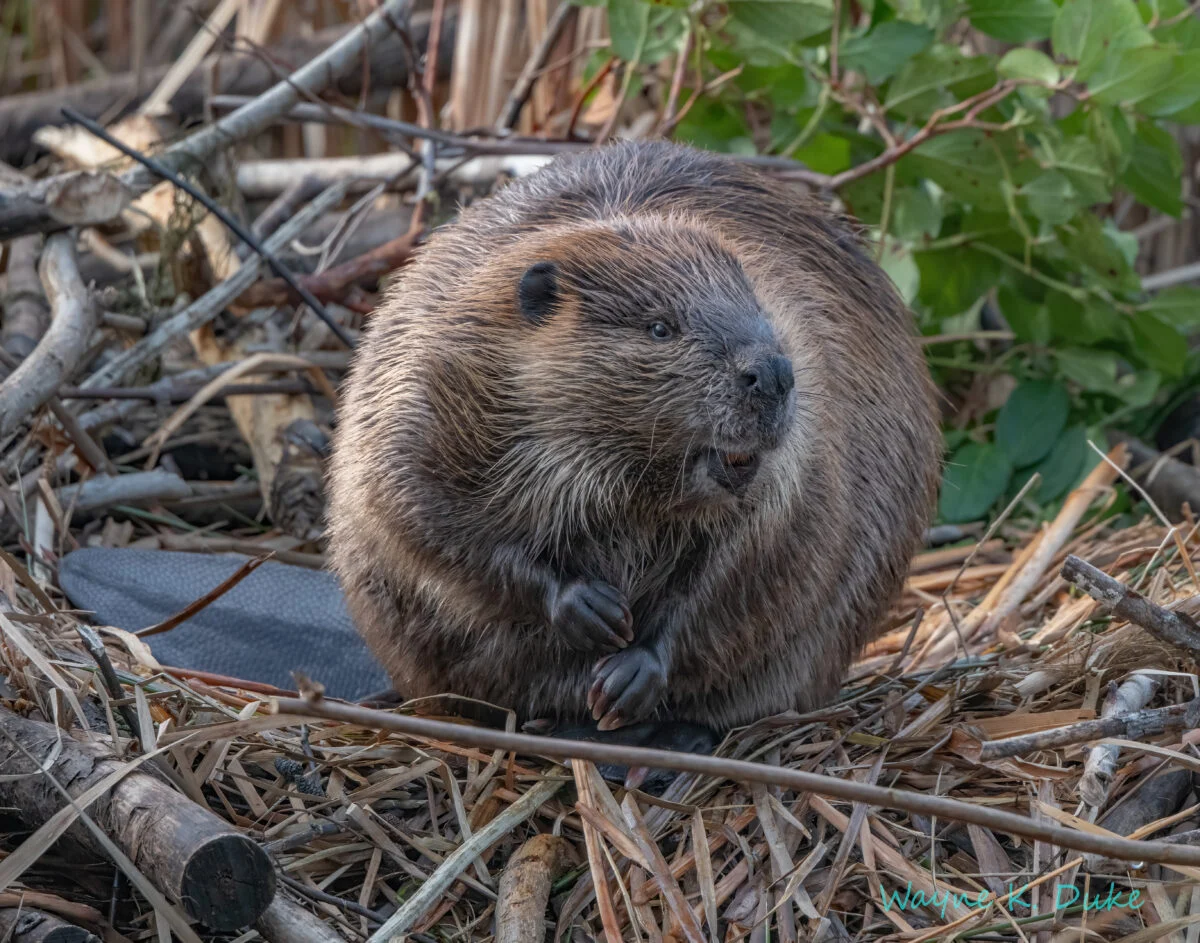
(250, 119)
(62, 348)
(238, 72)
(1175, 628)
(216, 874)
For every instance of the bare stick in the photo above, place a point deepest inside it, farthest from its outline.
(64, 345)
(460, 859)
(1101, 764)
(218, 875)
(1175, 628)
(1055, 536)
(524, 84)
(309, 80)
(525, 888)
(742, 771)
(104, 491)
(1137, 725)
(209, 305)
(161, 170)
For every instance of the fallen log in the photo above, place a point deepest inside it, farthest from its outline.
(24, 925)
(219, 876)
(238, 72)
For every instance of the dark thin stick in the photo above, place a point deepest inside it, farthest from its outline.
(350, 906)
(108, 674)
(207, 599)
(1175, 628)
(219, 211)
(1124, 849)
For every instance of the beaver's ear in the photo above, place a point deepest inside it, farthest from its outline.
(537, 293)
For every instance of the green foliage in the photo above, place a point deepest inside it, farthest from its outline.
(1004, 204)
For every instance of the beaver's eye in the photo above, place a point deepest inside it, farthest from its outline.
(661, 331)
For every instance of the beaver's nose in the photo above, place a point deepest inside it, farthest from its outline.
(770, 376)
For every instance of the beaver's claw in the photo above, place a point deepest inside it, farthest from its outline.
(592, 617)
(628, 687)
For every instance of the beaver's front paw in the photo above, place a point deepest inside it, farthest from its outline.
(628, 687)
(592, 617)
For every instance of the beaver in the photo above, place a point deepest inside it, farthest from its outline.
(643, 436)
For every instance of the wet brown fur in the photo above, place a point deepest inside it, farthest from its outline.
(479, 454)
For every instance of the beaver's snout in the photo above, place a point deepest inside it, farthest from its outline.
(768, 376)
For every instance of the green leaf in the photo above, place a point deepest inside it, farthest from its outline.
(1087, 31)
(714, 125)
(1179, 91)
(1094, 370)
(1051, 197)
(1077, 161)
(784, 20)
(963, 163)
(1154, 175)
(881, 52)
(1179, 306)
(1088, 323)
(1060, 469)
(628, 27)
(1031, 421)
(1128, 76)
(935, 79)
(1029, 320)
(1013, 21)
(975, 478)
(1159, 343)
(1091, 245)
(1139, 389)
(643, 33)
(1028, 64)
(897, 262)
(954, 280)
(826, 154)
(915, 214)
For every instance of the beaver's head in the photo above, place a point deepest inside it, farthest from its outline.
(644, 349)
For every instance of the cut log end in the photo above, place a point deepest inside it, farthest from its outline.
(227, 883)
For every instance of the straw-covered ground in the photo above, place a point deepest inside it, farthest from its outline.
(429, 837)
(163, 387)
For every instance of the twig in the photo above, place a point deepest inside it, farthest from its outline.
(742, 771)
(26, 315)
(1055, 536)
(519, 95)
(219, 211)
(112, 684)
(460, 859)
(309, 80)
(209, 305)
(181, 394)
(1175, 628)
(104, 491)
(207, 599)
(525, 887)
(1134, 726)
(64, 345)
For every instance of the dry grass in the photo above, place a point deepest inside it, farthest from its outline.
(359, 821)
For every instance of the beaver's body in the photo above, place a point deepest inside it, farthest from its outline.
(572, 422)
